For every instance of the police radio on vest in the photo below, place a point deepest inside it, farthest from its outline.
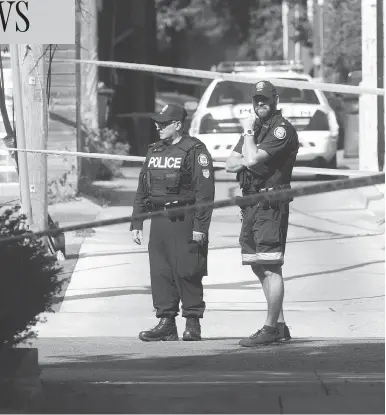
(165, 162)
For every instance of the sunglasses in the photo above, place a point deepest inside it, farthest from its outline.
(262, 101)
(163, 125)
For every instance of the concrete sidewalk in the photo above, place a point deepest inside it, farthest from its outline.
(111, 285)
(66, 214)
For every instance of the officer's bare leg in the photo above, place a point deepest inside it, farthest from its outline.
(271, 280)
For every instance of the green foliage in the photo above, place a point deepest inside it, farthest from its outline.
(343, 38)
(29, 280)
(107, 141)
(61, 189)
(304, 32)
(265, 37)
(254, 24)
(195, 16)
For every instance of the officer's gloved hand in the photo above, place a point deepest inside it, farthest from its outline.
(199, 237)
(137, 236)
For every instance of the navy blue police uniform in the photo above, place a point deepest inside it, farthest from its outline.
(176, 175)
(265, 224)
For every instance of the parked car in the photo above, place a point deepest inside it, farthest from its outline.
(216, 121)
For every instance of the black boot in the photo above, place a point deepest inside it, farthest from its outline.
(165, 330)
(192, 330)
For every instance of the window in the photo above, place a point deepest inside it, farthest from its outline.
(233, 93)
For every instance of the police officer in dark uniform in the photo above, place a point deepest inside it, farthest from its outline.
(263, 160)
(178, 171)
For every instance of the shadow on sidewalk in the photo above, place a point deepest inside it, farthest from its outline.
(217, 376)
(336, 355)
(110, 195)
(241, 285)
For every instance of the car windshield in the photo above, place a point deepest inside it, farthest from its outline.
(233, 93)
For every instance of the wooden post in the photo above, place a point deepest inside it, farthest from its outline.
(89, 73)
(35, 113)
(368, 104)
(384, 77)
(20, 135)
(285, 29)
(78, 83)
(380, 84)
(87, 85)
(297, 44)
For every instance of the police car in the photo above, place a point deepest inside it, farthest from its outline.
(216, 121)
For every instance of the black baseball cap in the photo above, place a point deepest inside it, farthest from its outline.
(264, 89)
(171, 112)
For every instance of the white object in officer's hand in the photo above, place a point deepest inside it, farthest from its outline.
(248, 122)
(198, 237)
(137, 236)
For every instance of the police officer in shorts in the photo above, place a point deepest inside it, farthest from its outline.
(263, 160)
(177, 172)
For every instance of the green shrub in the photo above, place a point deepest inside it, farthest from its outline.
(29, 280)
(107, 141)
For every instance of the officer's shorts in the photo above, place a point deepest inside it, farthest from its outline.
(263, 235)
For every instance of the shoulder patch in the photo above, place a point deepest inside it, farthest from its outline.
(206, 173)
(280, 133)
(203, 160)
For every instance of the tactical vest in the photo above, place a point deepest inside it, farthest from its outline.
(167, 180)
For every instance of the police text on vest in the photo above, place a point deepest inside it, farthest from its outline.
(165, 162)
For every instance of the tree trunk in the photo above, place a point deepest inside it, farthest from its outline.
(135, 41)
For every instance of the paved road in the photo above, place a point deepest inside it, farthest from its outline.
(119, 375)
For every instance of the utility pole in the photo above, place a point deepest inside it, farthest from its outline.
(321, 37)
(20, 135)
(318, 35)
(35, 113)
(384, 77)
(89, 73)
(78, 83)
(368, 104)
(284, 18)
(310, 11)
(297, 43)
(380, 84)
(87, 118)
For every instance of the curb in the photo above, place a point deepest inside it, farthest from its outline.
(373, 199)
